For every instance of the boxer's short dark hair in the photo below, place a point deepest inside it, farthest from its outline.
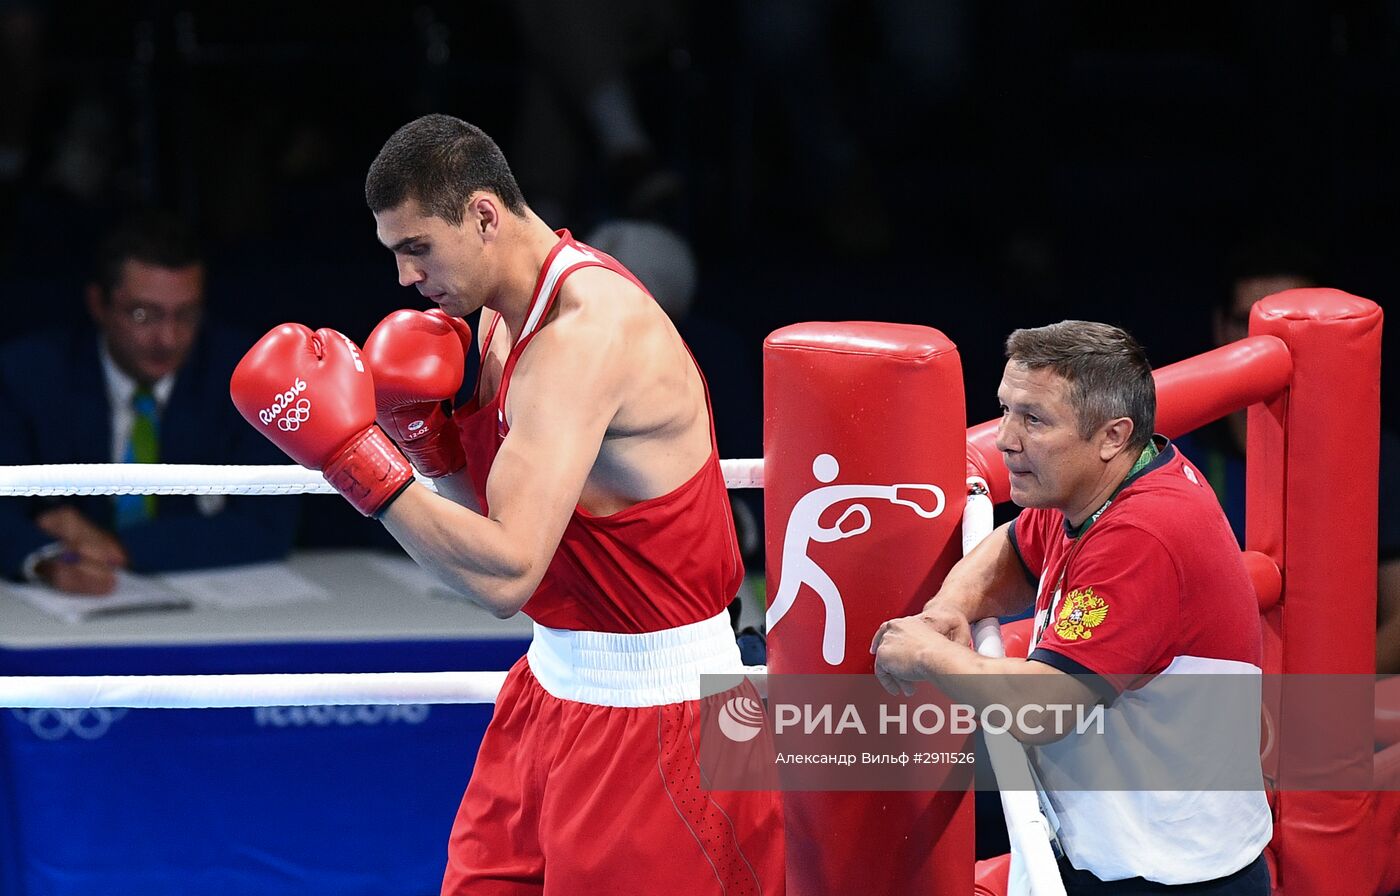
(1106, 368)
(439, 162)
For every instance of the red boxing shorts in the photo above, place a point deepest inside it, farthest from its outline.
(588, 778)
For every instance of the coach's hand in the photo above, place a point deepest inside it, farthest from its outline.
(312, 396)
(418, 359)
(949, 621)
(901, 649)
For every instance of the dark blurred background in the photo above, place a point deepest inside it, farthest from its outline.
(970, 166)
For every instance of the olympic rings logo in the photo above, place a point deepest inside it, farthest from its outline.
(56, 724)
(296, 415)
(280, 404)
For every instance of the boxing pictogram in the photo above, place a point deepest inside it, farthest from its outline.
(804, 527)
(296, 415)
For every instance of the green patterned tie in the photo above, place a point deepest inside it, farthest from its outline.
(142, 448)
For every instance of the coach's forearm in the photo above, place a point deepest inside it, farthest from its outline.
(989, 581)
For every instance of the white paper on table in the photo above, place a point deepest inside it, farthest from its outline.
(406, 572)
(245, 587)
(132, 593)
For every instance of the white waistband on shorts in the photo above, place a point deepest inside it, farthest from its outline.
(650, 669)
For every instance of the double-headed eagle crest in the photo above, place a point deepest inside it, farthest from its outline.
(1081, 611)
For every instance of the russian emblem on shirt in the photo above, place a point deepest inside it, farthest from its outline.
(1081, 612)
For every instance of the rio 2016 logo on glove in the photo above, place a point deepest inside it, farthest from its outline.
(282, 402)
(296, 415)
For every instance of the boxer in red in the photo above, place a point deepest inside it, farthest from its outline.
(581, 485)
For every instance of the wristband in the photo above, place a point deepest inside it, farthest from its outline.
(370, 472)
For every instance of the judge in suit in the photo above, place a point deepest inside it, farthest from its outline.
(145, 382)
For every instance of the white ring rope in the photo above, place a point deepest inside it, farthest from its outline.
(234, 691)
(1034, 871)
(223, 479)
(225, 691)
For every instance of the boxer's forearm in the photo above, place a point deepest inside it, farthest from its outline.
(472, 554)
(458, 488)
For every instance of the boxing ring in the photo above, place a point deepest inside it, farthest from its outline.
(887, 435)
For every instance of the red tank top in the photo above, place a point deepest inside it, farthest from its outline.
(660, 563)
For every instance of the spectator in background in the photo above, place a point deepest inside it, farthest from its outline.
(1260, 268)
(22, 27)
(148, 383)
(835, 119)
(21, 39)
(581, 102)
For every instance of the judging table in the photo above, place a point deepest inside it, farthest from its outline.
(269, 800)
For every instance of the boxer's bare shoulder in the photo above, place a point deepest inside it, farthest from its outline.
(612, 348)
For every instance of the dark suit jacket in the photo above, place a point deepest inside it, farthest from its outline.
(54, 410)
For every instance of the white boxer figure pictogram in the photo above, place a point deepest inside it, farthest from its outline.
(804, 527)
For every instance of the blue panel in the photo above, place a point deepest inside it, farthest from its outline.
(294, 800)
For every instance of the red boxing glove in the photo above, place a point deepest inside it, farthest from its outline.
(418, 359)
(312, 396)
